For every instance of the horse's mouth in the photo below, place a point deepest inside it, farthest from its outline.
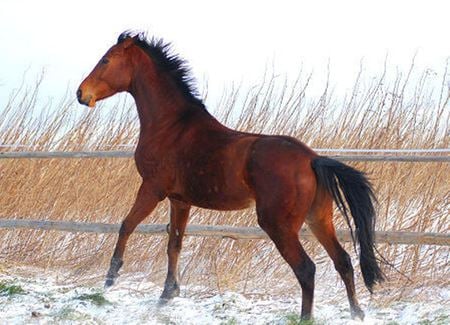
(88, 100)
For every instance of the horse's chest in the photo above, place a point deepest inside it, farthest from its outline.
(151, 165)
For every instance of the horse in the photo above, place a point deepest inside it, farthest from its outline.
(186, 155)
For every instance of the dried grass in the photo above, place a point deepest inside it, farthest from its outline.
(377, 114)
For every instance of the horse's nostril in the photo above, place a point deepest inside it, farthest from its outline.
(79, 93)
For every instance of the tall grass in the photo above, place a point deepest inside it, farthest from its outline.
(378, 113)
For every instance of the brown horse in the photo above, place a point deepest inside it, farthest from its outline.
(184, 154)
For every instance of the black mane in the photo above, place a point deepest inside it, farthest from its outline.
(160, 52)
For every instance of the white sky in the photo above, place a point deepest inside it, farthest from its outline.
(224, 41)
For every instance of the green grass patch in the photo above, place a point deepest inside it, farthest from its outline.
(231, 321)
(439, 320)
(70, 314)
(295, 319)
(10, 289)
(95, 298)
(425, 322)
(442, 319)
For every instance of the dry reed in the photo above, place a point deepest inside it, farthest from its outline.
(378, 114)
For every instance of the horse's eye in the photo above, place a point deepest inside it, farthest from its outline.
(105, 61)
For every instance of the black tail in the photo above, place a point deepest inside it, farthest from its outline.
(337, 177)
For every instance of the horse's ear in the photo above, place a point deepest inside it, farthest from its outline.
(127, 42)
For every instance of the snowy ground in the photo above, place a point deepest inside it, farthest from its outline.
(44, 302)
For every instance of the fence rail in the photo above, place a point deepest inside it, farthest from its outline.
(390, 237)
(398, 157)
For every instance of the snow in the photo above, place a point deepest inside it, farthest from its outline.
(46, 302)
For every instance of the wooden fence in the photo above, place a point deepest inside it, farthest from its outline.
(394, 156)
(391, 237)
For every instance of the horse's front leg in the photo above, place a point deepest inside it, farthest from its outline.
(179, 213)
(146, 201)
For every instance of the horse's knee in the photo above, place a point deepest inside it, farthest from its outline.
(125, 228)
(174, 246)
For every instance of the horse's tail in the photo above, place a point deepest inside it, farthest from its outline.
(339, 179)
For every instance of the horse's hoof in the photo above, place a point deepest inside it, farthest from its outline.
(357, 313)
(170, 292)
(163, 302)
(109, 283)
(305, 318)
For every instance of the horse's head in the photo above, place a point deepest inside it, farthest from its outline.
(112, 74)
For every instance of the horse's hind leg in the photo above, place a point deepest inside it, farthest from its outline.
(281, 214)
(286, 240)
(321, 224)
(179, 213)
(145, 202)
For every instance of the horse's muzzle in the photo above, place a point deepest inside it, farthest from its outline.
(84, 101)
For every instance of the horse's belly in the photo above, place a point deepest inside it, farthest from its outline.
(224, 203)
(216, 198)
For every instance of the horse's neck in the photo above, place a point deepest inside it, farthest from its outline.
(162, 109)
(156, 102)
